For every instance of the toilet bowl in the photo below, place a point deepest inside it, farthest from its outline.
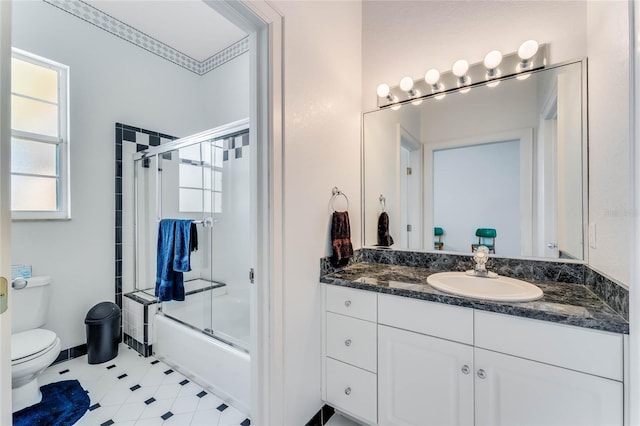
(33, 348)
(32, 352)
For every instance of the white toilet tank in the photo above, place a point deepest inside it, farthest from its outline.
(29, 305)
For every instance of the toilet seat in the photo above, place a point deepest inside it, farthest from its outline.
(31, 344)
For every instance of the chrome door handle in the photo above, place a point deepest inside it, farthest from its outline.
(347, 303)
(552, 246)
(347, 342)
(482, 374)
(465, 369)
(347, 391)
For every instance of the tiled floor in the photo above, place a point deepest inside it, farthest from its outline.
(133, 390)
(338, 420)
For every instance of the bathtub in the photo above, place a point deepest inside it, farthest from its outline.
(206, 338)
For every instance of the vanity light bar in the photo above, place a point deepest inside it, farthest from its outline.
(467, 76)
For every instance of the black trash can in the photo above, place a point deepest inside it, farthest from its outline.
(103, 331)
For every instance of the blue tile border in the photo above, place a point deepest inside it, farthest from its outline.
(108, 23)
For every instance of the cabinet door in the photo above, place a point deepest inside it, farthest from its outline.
(516, 391)
(423, 380)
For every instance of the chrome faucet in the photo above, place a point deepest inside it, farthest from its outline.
(481, 257)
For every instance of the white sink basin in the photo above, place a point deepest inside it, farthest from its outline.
(501, 289)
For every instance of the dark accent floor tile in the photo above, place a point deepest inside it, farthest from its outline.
(169, 371)
(107, 423)
(154, 362)
(167, 415)
(111, 366)
(122, 376)
(184, 382)
(245, 422)
(150, 401)
(64, 371)
(94, 406)
(222, 407)
(135, 388)
(201, 394)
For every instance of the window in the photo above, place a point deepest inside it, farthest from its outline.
(39, 138)
(200, 177)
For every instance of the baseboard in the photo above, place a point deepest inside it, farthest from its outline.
(70, 353)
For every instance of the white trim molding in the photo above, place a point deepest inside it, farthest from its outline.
(108, 23)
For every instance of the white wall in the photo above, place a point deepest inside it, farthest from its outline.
(322, 102)
(610, 207)
(111, 81)
(408, 37)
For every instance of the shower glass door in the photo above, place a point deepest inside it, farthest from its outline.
(206, 181)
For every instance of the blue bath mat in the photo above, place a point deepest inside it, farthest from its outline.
(63, 403)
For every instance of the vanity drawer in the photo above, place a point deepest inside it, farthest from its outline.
(355, 303)
(352, 340)
(431, 318)
(590, 351)
(352, 390)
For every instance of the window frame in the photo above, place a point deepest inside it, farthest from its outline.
(62, 141)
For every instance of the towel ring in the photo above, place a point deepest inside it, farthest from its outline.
(336, 192)
(383, 202)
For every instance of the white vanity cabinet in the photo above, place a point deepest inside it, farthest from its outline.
(439, 364)
(350, 347)
(423, 380)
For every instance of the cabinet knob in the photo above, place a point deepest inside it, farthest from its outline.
(347, 391)
(347, 303)
(466, 369)
(482, 374)
(347, 342)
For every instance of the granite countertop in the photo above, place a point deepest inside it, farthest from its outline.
(571, 304)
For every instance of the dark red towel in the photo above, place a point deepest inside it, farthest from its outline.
(384, 238)
(341, 239)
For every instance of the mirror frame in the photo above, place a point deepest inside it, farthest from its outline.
(586, 244)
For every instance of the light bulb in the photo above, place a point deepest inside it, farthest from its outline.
(493, 59)
(406, 84)
(432, 76)
(383, 90)
(528, 49)
(460, 68)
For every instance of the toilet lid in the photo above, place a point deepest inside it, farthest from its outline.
(30, 342)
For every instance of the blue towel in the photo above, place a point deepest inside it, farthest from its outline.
(172, 258)
(182, 246)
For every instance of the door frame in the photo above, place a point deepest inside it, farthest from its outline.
(265, 25)
(5, 206)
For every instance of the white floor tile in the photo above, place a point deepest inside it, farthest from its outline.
(179, 419)
(185, 404)
(231, 416)
(113, 400)
(209, 402)
(339, 420)
(150, 422)
(205, 418)
(156, 409)
(142, 394)
(169, 391)
(129, 412)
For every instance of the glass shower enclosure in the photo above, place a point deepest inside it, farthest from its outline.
(204, 178)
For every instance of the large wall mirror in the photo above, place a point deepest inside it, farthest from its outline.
(511, 158)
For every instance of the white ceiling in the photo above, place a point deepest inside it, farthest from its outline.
(189, 26)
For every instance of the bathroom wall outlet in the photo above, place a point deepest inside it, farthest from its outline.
(592, 235)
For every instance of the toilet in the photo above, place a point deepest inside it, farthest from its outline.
(33, 349)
